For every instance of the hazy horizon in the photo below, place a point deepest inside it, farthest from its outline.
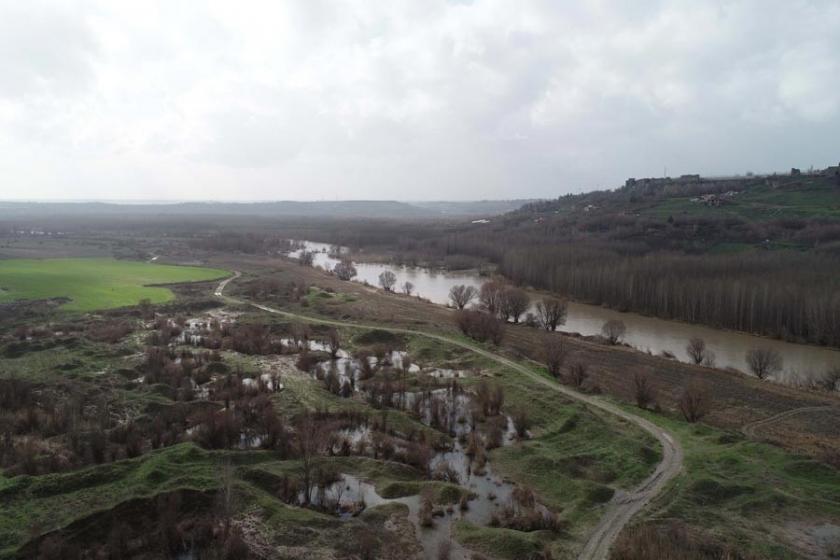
(443, 100)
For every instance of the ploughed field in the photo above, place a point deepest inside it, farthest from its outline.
(91, 284)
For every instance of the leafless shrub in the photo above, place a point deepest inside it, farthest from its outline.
(514, 303)
(387, 280)
(554, 353)
(345, 269)
(445, 473)
(407, 288)
(696, 349)
(522, 422)
(764, 362)
(461, 296)
(694, 403)
(551, 313)
(333, 343)
(480, 326)
(643, 391)
(830, 380)
(490, 398)
(490, 296)
(306, 258)
(578, 373)
(614, 330)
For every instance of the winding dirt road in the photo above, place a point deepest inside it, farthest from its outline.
(625, 505)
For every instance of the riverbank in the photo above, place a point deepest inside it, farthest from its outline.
(801, 362)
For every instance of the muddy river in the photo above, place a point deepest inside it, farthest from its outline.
(645, 333)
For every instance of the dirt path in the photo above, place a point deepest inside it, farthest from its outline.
(625, 505)
(750, 429)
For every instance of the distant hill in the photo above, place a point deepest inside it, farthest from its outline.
(374, 209)
(693, 213)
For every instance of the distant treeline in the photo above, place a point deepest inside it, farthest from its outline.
(790, 295)
(782, 278)
(644, 266)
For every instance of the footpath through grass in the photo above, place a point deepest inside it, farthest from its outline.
(92, 284)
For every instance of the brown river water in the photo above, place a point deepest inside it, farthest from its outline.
(644, 333)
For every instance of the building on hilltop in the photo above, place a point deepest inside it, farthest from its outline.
(832, 171)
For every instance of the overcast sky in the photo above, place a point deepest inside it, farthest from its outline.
(415, 99)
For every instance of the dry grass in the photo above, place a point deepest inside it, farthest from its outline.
(670, 541)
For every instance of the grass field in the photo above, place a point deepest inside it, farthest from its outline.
(744, 492)
(95, 283)
(759, 204)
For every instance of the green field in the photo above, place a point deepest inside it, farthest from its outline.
(761, 203)
(95, 283)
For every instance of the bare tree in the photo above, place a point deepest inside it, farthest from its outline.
(480, 326)
(300, 335)
(461, 295)
(147, 310)
(490, 296)
(309, 445)
(333, 342)
(554, 352)
(407, 288)
(306, 258)
(578, 373)
(521, 422)
(694, 403)
(830, 379)
(515, 303)
(614, 330)
(551, 313)
(764, 362)
(387, 280)
(225, 496)
(696, 349)
(644, 391)
(345, 269)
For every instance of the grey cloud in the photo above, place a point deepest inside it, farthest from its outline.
(438, 99)
(45, 48)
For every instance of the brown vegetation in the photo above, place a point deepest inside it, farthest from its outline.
(671, 540)
(643, 390)
(480, 326)
(461, 296)
(694, 403)
(764, 362)
(614, 330)
(554, 353)
(551, 313)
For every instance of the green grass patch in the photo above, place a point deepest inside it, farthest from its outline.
(579, 461)
(808, 199)
(498, 543)
(92, 284)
